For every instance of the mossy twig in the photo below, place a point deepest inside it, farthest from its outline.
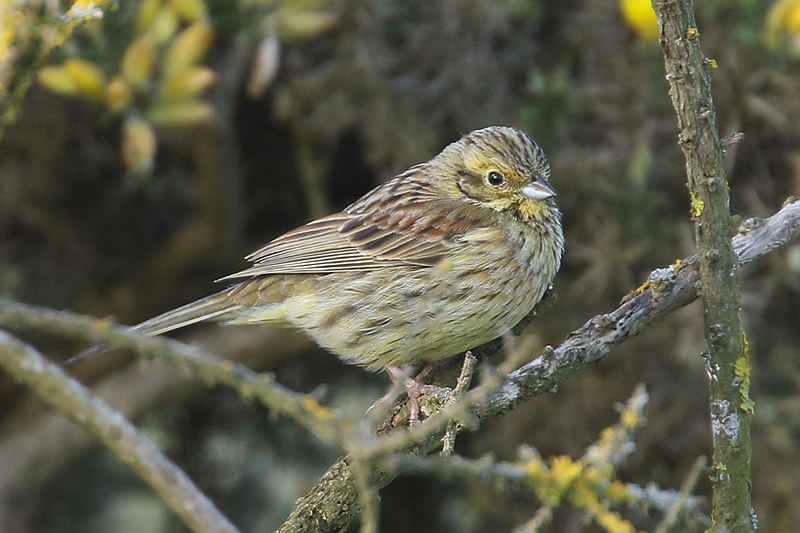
(689, 75)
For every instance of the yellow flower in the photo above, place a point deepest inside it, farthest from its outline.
(138, 144)
(640, 17)
(782, 26)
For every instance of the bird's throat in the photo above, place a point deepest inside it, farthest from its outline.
(530, 209)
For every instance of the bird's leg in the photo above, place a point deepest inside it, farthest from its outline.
(414, 388)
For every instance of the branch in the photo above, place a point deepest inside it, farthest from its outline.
(728, 364)
(333, 502)
(684, 496)
(120, 436)
(304, 409)
(27, 433)
(666, 290)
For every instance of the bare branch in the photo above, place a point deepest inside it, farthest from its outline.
(120, 436)
(464, 380)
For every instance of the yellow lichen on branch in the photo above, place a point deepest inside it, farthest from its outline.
(742, 370)
(697, 206)
(588, 482)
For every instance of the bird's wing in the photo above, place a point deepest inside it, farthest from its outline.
(401, 222)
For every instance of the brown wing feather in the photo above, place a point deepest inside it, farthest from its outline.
(394, 224)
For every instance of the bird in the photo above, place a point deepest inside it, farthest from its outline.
(441, 258)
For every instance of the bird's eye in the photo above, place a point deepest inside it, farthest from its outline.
(495, 179)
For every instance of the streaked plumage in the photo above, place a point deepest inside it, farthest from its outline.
(437, 260)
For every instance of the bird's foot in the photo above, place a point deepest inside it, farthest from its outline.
(414, 388)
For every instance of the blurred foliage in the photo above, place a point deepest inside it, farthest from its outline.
(588, 483)
(314, 102)
(29, 30)
(783, 25)
(158, 77)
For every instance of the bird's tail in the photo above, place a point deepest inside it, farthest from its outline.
(206, 308)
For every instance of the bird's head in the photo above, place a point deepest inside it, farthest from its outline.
(500, 168)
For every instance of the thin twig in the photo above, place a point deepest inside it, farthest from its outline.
(687, 487)
(120, 436)
(368, 496)
(540, 520)
(460, 412)
(464, 380)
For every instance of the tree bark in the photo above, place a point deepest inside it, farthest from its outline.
(689, 75)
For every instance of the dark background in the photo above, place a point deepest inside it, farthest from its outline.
(387, 85)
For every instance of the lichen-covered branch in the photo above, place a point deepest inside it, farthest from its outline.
(689, 76)
(333, 502)
(120, 436)
(561, 478)
(302, 408)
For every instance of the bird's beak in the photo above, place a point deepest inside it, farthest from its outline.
(538, 189)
